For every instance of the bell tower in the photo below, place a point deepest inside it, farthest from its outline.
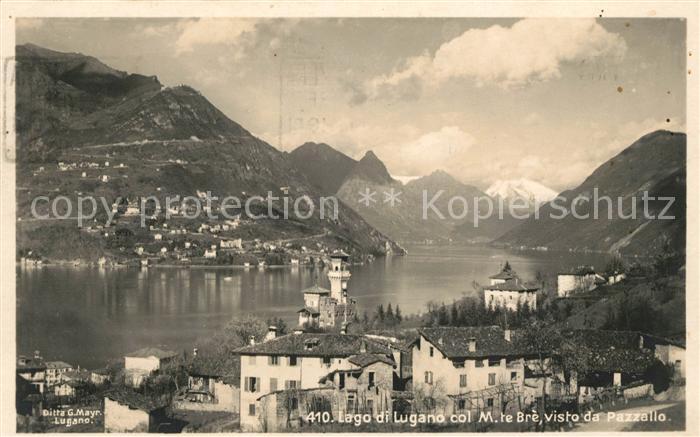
(339, 275)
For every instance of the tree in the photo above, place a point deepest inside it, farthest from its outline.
(389, 316)
(614, 265)
(380, 313)
(397, 314)
(278, 323)
(541, 340)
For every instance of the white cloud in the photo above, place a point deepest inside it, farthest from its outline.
(206, 31)
(447, 149)
(531, 50)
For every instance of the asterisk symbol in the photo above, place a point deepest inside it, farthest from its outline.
(392, 197)
(367, 197)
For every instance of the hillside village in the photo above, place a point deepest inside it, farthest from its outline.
(327, 373)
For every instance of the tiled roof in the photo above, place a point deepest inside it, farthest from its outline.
(339, 254)
(309, 310)
(364, 360)
(611, 351)
(511, 285)
(151, 352)
(316, 289)
(215, 366)
(78, 374)
(31, 364)
(316, 345)
(135, 400)
(58, 365)
(504, 275)
(453, 342)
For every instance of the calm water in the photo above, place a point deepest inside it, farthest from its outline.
(88, 315)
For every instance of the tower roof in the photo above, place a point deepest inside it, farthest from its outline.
(316, 289)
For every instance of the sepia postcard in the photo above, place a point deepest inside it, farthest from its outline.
(349, 217)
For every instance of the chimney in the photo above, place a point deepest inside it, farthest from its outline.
(506, 334)
(344, 328)
(472, 344)
(194, 353)
(271, 333)
(251, 340)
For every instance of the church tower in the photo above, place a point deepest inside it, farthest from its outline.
(339, 275)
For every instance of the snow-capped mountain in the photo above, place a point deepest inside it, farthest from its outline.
(532, 192)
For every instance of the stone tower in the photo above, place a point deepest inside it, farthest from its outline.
(339, 275)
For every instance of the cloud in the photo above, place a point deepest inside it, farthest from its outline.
(531, 50)
(207, 31)
(447, 149)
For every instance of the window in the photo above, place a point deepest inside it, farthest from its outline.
(459, 364)
(432, 351)
(251, 360)
(289, 385)
(292, 361)
(429, 403)
(341, 380)
(326, 361)
(351, 403)
(252, 384)
(428, 377)
(492, 379)
(273, 384)
(489, 402)
(461, 404)
(513, 376)
(370, 406)
(273, 360)
(293, 404)
(494, 362)
(479, 363)
(251, 409)
(463, 380)
(370, 379)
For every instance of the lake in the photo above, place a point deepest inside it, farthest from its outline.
(88, 315)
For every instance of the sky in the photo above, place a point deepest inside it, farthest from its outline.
(483, 99)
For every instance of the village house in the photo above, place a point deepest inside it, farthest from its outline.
(141, 363)
(669, 352)
(364, 388)
(54, 371)
(297, 361)
(459, 369)
(32, 370)
(128, 411)
(582, 279)
(614, 358)
(507, 290)
(210, 253)
(100, 376)
(212, 385)
(232, 244)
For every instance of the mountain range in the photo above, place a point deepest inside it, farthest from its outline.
(74, 108)
(655, 164)
(402, 219)
(71, 107)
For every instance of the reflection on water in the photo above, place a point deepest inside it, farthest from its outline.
(87, 315)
